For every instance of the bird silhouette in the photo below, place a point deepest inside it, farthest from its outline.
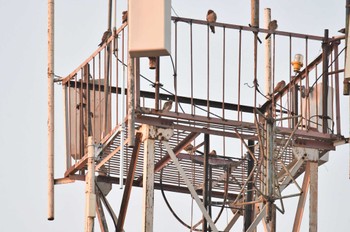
(280, 85)
(212, 153)
(125, 16)
(167, 106)
(211, 18)
(272, 27)
(105, 37)
(189, 148)
(152, 62)
(342, 30)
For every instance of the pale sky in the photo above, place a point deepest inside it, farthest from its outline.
(79, 26)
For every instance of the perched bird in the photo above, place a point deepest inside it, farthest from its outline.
(342, 30)
(280, 85)
(125, 16)
(272, 27)
(212, 153)
(152, 62)
(189, 148)
(105, 37)
(211, 18)
(167, 106)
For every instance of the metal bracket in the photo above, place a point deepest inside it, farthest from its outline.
(309, 153)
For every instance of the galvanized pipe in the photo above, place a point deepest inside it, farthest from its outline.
(50, 109)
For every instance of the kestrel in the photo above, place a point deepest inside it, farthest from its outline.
(105, 37)
(125, 16)
(272, 27)
(167, 106)
(280, 85)
(211, 18)
(212, 153)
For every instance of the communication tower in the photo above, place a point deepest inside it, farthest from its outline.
(214, 133)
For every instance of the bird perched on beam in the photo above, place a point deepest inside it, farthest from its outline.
(212, 153)
(211, 18)
(280, 85)
(189, 148)
(105, 37)
(167, 106)
(272, 27)
(125, 16)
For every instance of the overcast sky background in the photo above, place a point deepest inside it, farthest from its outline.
(79, 26)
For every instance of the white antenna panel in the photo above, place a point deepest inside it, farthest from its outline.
(149, 24)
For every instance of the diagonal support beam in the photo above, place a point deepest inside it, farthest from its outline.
(129, 182)
(292, 172)
(100, 214)
(189, 186)
(179, 147)
(257, 220)
(233, 221)
(110, 155)
(302, 199)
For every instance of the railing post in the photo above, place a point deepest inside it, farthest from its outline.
(325, 48)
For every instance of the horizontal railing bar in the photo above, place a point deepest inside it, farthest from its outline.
(181, 99)
(247, 28)
(72, 74)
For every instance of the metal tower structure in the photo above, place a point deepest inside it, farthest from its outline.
(205, 134)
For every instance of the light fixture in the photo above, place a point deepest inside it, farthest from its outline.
(297, 62)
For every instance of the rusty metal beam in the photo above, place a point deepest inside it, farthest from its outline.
(90, 58)
(101, 215)
(82, 162)
(302, 199)
(164, 161)
(313, 215)
(295, 80)
(162, 96)
(128, 183)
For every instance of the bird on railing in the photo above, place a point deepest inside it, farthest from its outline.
(278, 88)
(105, 37)
(167, 106)
(272, 27)
(211, 18)
(125, 16)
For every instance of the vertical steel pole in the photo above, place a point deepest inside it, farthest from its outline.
(131, 95)
(148, 183)
(255, 23)
(313, 196)
(90, 204)
(346, 90)
(110, 14)
(157, 84)
(248, 209)
(205, 178)
(269, 127)
(268, 80)
(131, 101)
(50, 109)
(325, 48)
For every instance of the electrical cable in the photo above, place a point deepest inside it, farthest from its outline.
(177, 217)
